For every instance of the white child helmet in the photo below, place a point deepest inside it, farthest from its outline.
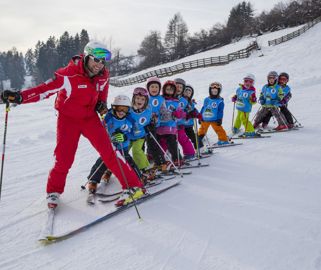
(121, 100)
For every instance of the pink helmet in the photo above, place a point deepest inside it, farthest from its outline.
(153, 80)
(141, 91)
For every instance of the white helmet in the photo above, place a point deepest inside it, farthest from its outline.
(121, 100)
(98, 50)
(249, 76)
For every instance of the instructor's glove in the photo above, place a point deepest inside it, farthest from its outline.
(101, 107)
(11, 96)
(234, 98)
(119, 138)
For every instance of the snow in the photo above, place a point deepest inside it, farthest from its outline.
(225, 50)
(257, 207)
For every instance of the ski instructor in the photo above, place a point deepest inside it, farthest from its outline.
(81, 88)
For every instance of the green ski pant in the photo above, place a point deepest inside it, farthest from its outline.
(243, 118)
(139, 155)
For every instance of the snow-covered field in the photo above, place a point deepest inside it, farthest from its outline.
(225, 50)
(258, 206)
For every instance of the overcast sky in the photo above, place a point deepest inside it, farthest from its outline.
(125, 22)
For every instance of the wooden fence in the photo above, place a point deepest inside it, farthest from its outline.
(295, 33)
(185, 66)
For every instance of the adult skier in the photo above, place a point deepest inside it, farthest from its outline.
(82, 89)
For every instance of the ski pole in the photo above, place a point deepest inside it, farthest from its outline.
(4, 144)
(168, 157)
(233, 116)
(83, 187)
(196, 137)
(177, 148)
(125, 179)
(296, 120)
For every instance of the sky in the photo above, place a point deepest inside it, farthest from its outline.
(118, 23)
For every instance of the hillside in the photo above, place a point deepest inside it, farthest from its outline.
(257, 207)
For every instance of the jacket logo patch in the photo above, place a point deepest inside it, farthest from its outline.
(81, 86)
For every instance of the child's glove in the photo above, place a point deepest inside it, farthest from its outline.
(262, 101)
(253, 98)
(119, 138)
(234, 98)
(192, 114)
(178, 114)
(199, 117)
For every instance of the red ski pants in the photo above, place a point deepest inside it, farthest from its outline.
(68, 134)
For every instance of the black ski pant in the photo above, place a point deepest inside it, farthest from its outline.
(191, 135)
(99, 168)
(153, 150)
(172, 145)
(287, 114)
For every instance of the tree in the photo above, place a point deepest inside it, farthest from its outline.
(241, 20)
(2, 76)
(151, 50)
(84, 39)
(176, 38)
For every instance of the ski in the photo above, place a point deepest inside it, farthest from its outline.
(216, 146)
(252, 137)
(275, 131)
(99, 194)
(91, 198)
(202, 156)
(109, 200)
(48, 228)
(184, 167)
(175, 172)
(50, 238)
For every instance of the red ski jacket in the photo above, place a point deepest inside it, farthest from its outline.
(77, 95)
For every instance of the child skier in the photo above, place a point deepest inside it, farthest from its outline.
(212, 115)
(156, 102)
(141, 113)
(245, 97)
(270, 98)
(191, 113)
(283, 80)
(118, 124)
(183, 139)
(169, 114)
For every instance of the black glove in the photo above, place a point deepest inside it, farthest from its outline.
(101, 107)
(11, 96)
(150, 128)
(219, 122)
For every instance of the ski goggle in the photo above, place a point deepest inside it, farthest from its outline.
(283, 79)
(120, 108)
(141, 92)
(215, 86)
(101, 53)
(248, 81)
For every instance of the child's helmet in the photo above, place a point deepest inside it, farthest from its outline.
(218, 85)
(121, 100)
(273, 74)
(249, 76)
(153, 80)
(189, 87)
(171, 83)
(98, 50)
(141, 91)
(284, 74)
(180, 81)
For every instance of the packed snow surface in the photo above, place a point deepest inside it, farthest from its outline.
(257, 207)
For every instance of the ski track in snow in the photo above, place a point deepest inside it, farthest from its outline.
(257, 207)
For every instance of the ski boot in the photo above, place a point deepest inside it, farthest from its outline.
(222, 142)
(106, 176)
(129, 195)
(53, 200)
(281, 127)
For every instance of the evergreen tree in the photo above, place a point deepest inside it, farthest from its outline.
(30, 62)
(2, 76)
(84, 39)
(176, 38)
(151, 50)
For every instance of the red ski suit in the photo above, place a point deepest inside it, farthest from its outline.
(77, 97)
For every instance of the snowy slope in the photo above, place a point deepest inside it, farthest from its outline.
(258, 206)
(225, 50)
